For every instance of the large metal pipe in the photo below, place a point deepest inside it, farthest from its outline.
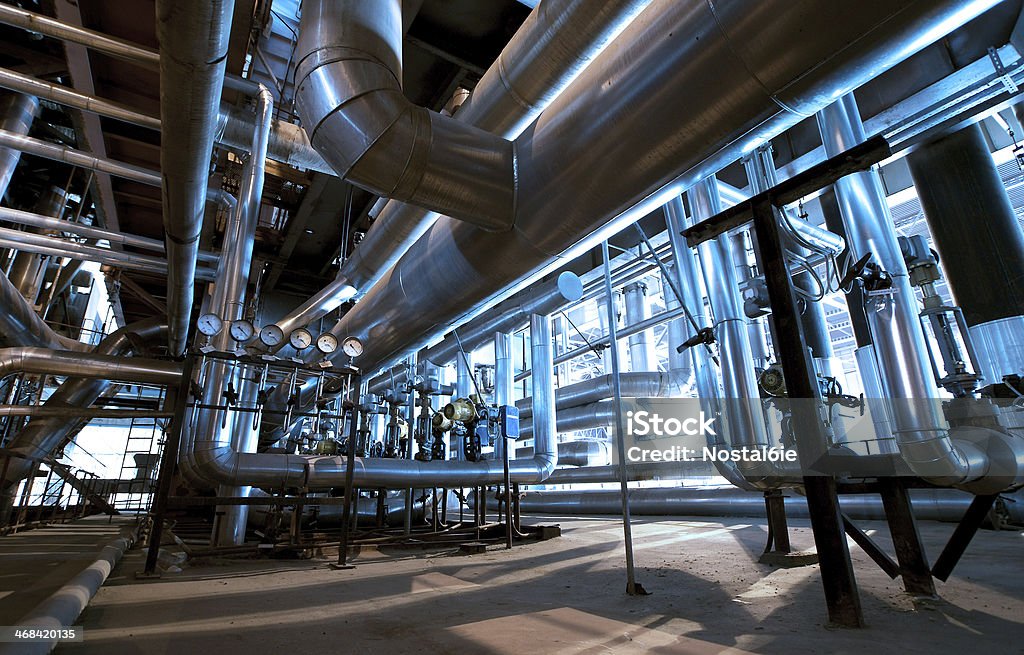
(641, 353)
(929, 504)
(581, 139)
(973, 223)
(16, 114)
(27, 269)
(902, 354)
(20, 325)
(599, 414)
(193, 37)
(57, 247)
(575, 453)
(544, 428)
(349, 95)
(555, 43)
(19, 217)
(504, 374)
(87, 161)
(43, 436)
(632, 385)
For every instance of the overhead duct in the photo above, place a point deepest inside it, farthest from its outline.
(193, 37)
(349, 95)
(574, 185)
(557, 41)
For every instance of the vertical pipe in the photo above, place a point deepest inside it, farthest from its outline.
(28, 269)
(193, 39)
(632, 587)
(16, 114)
(504, 380)
(972, 222)
(739, 380)
(641, 357)
(902, 355)
(410, 443)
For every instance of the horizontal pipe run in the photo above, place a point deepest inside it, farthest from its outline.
(49, 223)
(108, 45)
(88, 365)
(55, 247)
(42, 411)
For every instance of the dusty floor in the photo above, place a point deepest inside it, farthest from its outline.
(709, 595)
(36, 563)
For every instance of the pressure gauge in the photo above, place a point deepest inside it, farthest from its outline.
(210, 325)
(352, 347)
(271, 336)
(327, 343)
(242, 331)
(300, 339)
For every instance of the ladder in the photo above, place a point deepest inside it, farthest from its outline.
(136, 484)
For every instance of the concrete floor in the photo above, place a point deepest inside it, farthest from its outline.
(36, 563)
(709, 595)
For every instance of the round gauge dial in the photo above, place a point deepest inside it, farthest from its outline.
(271, 336)
(300, 339)
(242, 330)
(210, 325)
(352, 347)
(327, 343)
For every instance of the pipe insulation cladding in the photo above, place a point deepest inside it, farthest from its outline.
(628, 134)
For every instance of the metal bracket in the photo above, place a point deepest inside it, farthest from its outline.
(1003, 75)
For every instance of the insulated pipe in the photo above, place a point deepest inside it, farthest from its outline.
(119, 48)
(20, 325)
(27, 269)
(972, 222)
(91, 365)
(899, 344)
(84, 160)
(641, 356)
(741, 397)
(228, 302)
(544, 429)
(504, 379)
(49, 223)
(57, 247)
(581, 139)
(688, 273)
(16, 114)
(633, 385)
(600, 414)
(193, 37)
(43, 436)
(697, 468)
(575, 453)
(555, 43)
(349, 96)
(929, 504)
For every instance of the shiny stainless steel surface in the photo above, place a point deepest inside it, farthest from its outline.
(577, 417)
(19, 217)
(575, 453)
(20, 325)
(45, 245)
(867, 366)
(1000, 347)
(550, 49)
(16, 114)
(193, 39)
(641, 355)
(82, 159)
(900, 349)
(42, 436)
(27, 269)
(509, 316)
(504, 374)
(349, 95)
(929, 504)
(646, 384)
(580, 141)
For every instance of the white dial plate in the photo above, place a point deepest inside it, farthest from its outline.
(327, 343)
(242, 330)
(352, 347)
(271, 335)
(300, 339)
(210, 325)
